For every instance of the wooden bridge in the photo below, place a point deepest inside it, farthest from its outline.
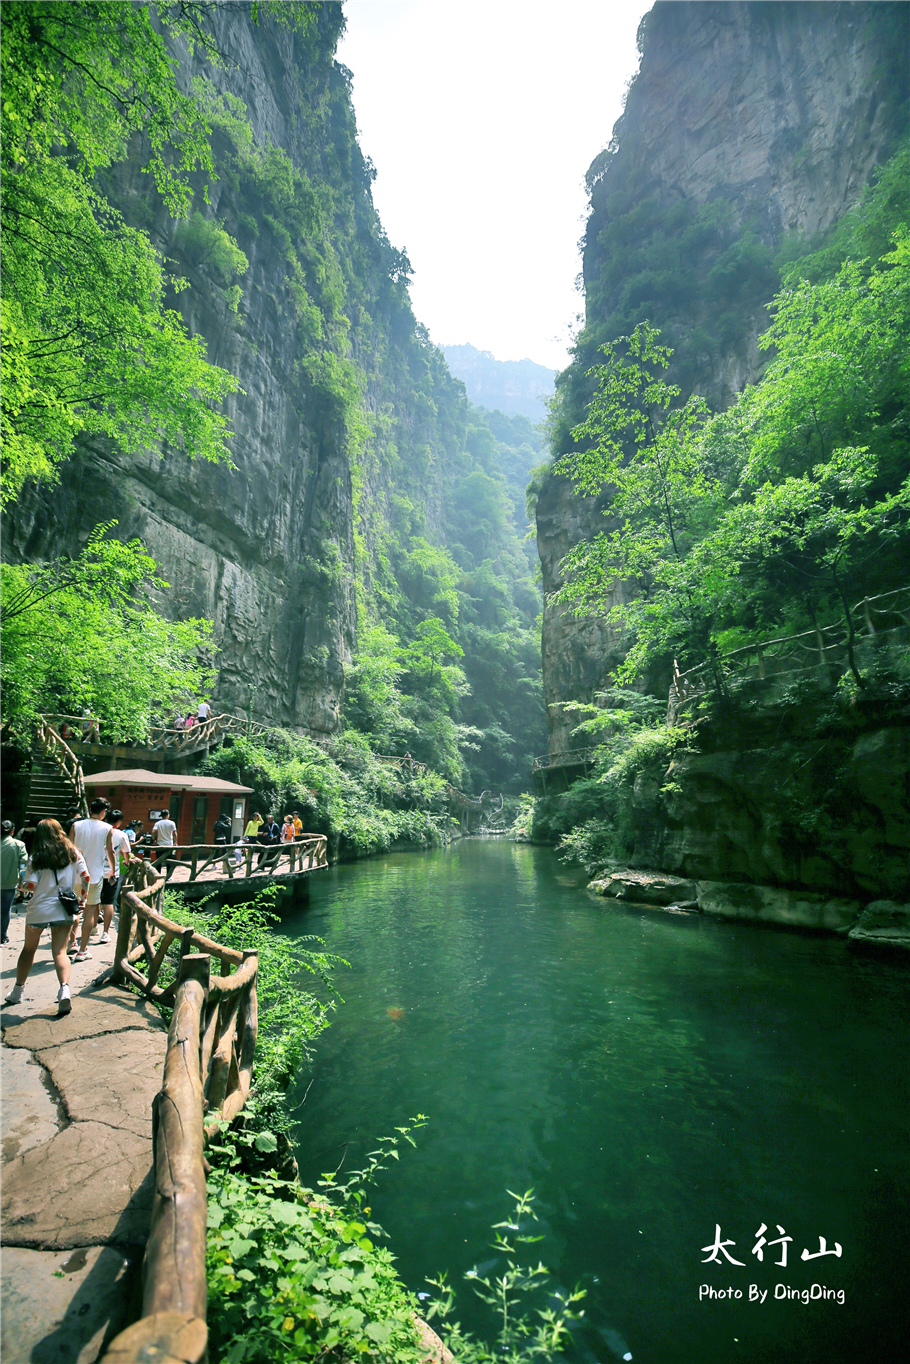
(554, 772)
(207, 866)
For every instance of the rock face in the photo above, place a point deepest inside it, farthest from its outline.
(883, 923)
(777, 113)
(828, 816)
(267, 549)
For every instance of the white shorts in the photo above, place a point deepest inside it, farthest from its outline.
(94, 894)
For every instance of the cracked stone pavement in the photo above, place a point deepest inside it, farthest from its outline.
(75, 1157)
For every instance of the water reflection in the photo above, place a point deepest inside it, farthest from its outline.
(649, 1075)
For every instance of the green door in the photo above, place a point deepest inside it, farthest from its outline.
(200, 810)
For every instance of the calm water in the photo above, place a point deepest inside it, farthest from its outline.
(649, 1075)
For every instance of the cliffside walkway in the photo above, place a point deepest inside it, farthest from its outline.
(76, 1157)
(876, 624)
(105, 1119)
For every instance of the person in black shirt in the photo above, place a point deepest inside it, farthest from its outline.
(267, 837)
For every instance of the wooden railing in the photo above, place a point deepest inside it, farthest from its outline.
(204, 733)
(208, 1069)
(201, 734)
(877, 620)
(570, 757)
(60, 753)
(185, 863)
(409, 767)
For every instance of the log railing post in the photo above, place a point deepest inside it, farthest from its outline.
(174, 1265)
(124, 934)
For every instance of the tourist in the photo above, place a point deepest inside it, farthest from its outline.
(91, 728)
(164, 832)
(13, 858)
(267, 838)
(179, 724)
(287, 830)
(239, 852)
(113, 877)
(254, 824)
(55, 865)
(131, 829)
(222, 828)
(204, 712)
(93, 838)
(190, 720)
(298, 825)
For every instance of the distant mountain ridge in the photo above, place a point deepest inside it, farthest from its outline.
(512, 386)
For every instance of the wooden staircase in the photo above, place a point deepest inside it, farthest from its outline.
(56, 787)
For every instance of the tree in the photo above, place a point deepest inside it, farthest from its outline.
(83, 634)
(769, 516)
(89, 347)
(649, 454)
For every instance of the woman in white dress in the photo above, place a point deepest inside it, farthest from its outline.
(55, 864)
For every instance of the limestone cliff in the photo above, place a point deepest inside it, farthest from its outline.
(349, 429)
(750, 127)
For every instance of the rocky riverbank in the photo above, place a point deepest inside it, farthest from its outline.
(883, 923)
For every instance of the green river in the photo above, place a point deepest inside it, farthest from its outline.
(651, 1076)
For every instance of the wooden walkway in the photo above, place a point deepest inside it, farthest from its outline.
(218, 864)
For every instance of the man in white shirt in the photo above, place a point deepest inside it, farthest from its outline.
(165, 831)
(204, 712)
(93, 839)
(113, 877)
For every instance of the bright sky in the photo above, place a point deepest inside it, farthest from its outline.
(481, 119)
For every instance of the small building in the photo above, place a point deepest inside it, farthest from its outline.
(193, 802)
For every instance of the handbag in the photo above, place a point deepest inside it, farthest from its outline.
(68, 898)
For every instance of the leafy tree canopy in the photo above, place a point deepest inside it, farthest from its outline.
(760, 518)
(89, 347)
(84, 634)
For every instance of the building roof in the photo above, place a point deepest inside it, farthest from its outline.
(174, 781)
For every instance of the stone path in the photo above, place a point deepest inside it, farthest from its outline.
(75, 1157)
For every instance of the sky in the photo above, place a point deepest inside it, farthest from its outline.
(481, 120)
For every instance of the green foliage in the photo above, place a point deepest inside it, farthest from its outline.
(760, 518)
(89, 347)
(205, 243)
(292, 1276)
(362, 805)
(83, 633)
(518, 1336)
(594, 819)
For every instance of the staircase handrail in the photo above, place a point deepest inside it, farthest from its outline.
(59, 751)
